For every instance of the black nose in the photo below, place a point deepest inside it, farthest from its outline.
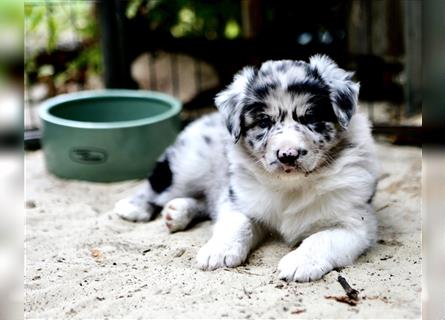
(289, 156)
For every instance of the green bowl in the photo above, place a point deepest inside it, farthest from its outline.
(108, 135)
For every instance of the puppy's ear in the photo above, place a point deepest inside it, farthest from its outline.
(343, 91)
(230, 101)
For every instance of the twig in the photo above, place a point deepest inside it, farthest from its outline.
(246, 293)
(244, 271)
(343, 299)
(350, 292)
(382, 208)
(298, 311)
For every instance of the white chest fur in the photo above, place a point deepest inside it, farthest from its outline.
(293, 212)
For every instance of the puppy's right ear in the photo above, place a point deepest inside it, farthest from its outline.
(230, 101)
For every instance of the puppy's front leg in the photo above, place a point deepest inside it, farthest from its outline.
(322, 252)
(234, 235)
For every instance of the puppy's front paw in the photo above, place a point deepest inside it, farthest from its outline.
(134, 211)
(302, 267)
(215, 254)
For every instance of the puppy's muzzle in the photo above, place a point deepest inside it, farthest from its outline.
(289, 156)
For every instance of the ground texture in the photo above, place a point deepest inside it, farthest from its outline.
(82, 261)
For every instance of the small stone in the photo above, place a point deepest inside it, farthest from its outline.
(30, 204)
(179, 252)
(95, 253)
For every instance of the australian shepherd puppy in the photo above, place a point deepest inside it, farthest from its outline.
(287, 153)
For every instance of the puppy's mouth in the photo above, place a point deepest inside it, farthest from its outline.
(289, 169)
(286, 168)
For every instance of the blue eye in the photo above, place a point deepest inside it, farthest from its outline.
(310, 118)
(264, 123)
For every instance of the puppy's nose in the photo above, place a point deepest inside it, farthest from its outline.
(289, 156)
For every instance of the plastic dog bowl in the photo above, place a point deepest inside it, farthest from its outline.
(108, 135)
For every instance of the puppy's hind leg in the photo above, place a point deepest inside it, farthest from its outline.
(137, 207)
(141, 206)
(179, 212)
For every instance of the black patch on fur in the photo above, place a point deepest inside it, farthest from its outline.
(250, 143)
(294, 115)
(229, 126)
(286, 65)
(232, 195)
(207, 139)
(265, 73)
(319, 127)
(373, 194)
(320, 111)
(262, 91)
(312, 73)
(260, 136)
(321, 106)
(282, 115)
(253, 108)
(282, 67)
(345, 102)
(234, 101)
(161, 177)
(316, 88)
(326, 131)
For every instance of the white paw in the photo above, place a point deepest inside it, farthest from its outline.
(215, 254)
(302, 267)
(131, 210)
(177, 214)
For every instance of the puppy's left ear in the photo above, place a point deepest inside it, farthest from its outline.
(230, 101)
(343, 91)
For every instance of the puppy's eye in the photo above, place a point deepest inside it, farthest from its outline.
(264, 123)
(310, 118)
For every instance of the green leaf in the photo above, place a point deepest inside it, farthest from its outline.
(132, 8)
(52, 33)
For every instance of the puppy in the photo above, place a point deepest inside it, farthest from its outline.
(286, 152)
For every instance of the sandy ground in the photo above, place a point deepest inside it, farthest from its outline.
(84, 262)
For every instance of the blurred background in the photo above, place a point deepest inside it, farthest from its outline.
(191, 50)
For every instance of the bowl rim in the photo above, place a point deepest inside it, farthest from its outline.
(45, 115)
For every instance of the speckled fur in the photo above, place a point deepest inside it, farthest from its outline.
(227, 166)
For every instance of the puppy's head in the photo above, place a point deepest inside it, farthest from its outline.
(288, 115)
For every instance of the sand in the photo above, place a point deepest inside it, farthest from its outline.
(82, 261)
